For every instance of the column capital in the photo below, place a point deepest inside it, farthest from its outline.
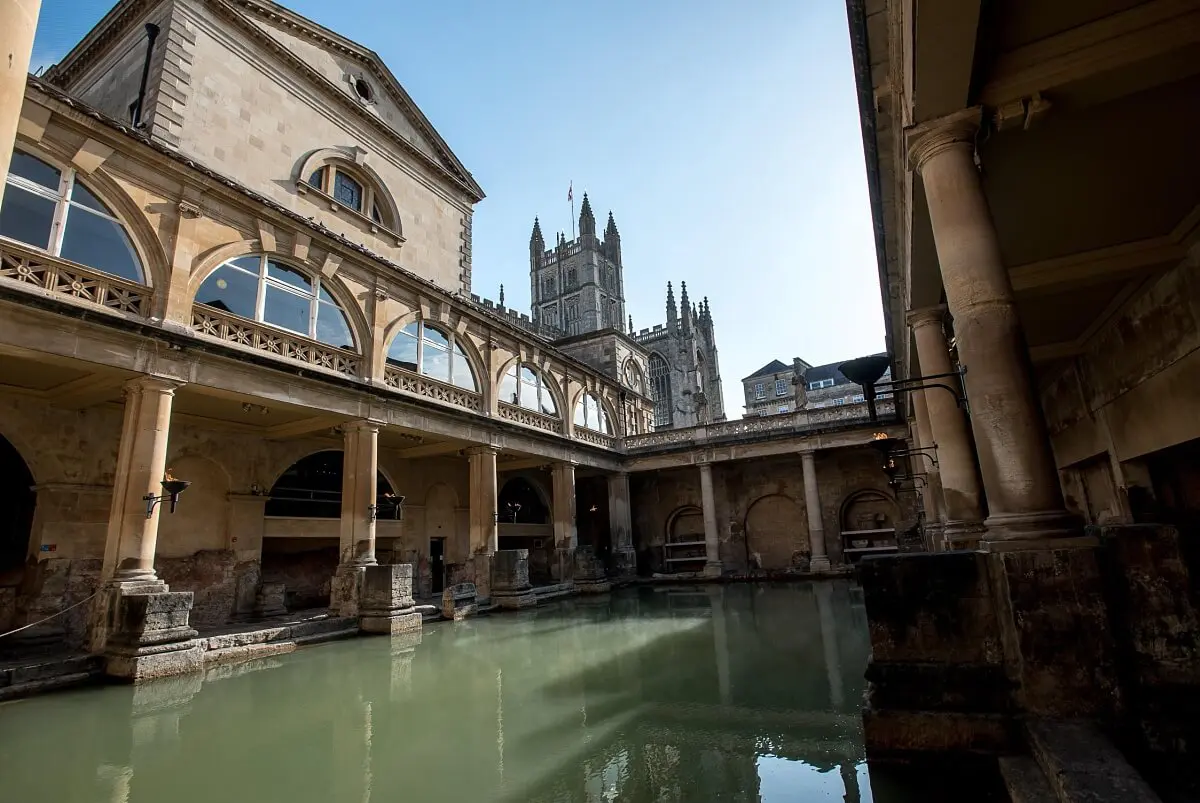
(362, 424)
(153, 384)
(926, 316)
(481, 450)
(559, 465)
(928, 139)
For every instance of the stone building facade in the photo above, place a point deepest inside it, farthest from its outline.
(259, 289)
(777, 389)
(683, 370)
(1037, 259)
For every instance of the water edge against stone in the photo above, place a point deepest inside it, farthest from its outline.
(741, 693)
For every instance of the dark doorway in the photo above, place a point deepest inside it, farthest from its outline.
(437, 564)
(17, 500)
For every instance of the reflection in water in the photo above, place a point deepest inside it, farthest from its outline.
(739, 693)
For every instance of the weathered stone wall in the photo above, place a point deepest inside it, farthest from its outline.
(760, 506)
(1130, 394)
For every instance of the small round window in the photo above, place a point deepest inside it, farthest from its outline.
(363, 89)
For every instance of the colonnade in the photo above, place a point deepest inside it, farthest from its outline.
(1002, 459)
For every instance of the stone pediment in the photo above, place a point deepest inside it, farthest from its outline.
(354, 72)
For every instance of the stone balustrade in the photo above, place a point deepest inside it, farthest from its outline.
(61, 278)
(530, 418)
(212, 322)
(417, 385)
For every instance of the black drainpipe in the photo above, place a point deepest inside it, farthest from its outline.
(151, 35)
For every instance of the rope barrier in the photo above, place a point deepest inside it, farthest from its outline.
(51, 616)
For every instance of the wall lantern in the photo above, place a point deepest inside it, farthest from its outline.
(866, 371)
(172, 488)
(390, 505)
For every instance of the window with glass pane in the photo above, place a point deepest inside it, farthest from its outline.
(37, 194)
(589, 413)
(280, 295)
(347, 191)
(780, 387)
(317, 179)
(429, 351)
(660, 390)
(523, 386)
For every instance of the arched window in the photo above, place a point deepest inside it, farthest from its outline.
(262, 289)
(51, 209)
(525, 387)
(312, 488)
(354, 190)
(427, 350)
(589, 413)
(660, 391)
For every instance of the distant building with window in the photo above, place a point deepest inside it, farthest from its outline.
(772, 389)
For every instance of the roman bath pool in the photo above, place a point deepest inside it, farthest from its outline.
(738, 693)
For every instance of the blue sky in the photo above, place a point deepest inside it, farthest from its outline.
(723, 136)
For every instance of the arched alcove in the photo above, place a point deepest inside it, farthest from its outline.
(311, 488)
(776, 533)
(868, 509)
(201, 520)
(532, 509)
(17, 501)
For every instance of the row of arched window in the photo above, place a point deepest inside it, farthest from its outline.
(49, 208)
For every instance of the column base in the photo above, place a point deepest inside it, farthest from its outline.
(934, 536)
(271, 600)
(563, 568)
(958, 535)
(1043, 526)
(625, 562)
(104, 620)
(151, 637)
(385, 600)
(459, 601)
(816, 565)
(510, 579)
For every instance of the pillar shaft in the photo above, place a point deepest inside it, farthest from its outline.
(18, 22)
(708, 504)
(950, 431)
(360, 469)
(483, 530)
(619, 521)
(141, 467)
(934, 504)
(812, 505)
(1019, 473)
(566, 534)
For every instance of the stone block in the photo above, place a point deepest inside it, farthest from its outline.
(459, 601)
(930, 608)
(901, 733)
(344, 590)
(510, 579)
(150, 636)
(386, 601)
(590, 575)
(1055, 631)
(270, 600)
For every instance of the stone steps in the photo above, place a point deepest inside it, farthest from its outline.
(1077, 764)
(275, 639)
(49, 673)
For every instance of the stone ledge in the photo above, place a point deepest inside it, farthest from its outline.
(1082, 765)
(899, 734)
(1025, 781)
(962, 688)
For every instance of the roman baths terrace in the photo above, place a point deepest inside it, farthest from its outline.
(249, 403)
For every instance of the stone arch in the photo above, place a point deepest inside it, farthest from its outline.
(201, 521)
(17, 503)
(685, 523)
(204, 266)
(601, 396)
(324, 156)
(155, 264)
(868, 509)
(529, 493)
(776, 533)
(474, 357)
(324, 493)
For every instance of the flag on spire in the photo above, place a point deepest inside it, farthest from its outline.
(571, 191)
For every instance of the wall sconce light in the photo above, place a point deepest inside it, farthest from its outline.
(390, 505)
(172, 488)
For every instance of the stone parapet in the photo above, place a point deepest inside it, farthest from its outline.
(386, 601)
(510, 579)
(150, 637)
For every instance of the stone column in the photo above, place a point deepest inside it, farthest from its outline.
(620, 524)
(360, 466)
(708, 504)
(141, 466)
(566, 534)
(483, 531)
(949, 430)
(1025, 501)
(935, 506)
(812, 504)
(18, 21)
